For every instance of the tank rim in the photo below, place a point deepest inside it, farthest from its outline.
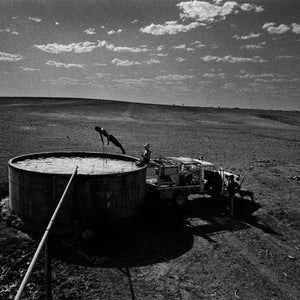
(70, 154)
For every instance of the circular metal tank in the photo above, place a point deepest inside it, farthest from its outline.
(93, 199)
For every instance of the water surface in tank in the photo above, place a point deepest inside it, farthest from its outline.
(86, 165)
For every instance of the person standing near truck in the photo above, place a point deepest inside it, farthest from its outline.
(146, 155)
(232, 188)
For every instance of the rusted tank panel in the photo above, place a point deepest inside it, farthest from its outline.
(93, 199)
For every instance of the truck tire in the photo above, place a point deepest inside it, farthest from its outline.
(180, 198)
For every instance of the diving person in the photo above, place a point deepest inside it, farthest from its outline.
(110, 138)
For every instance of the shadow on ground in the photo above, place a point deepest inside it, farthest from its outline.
(161, 233)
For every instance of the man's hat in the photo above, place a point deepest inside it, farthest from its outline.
(147, 146)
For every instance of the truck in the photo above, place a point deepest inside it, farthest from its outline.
(176, 178)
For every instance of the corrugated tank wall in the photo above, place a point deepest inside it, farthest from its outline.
(91, 200)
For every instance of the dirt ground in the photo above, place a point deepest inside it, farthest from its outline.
(166, 253)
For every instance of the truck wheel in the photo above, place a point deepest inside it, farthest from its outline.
(181, 198)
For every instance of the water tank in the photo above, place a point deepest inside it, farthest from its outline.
(107, 188)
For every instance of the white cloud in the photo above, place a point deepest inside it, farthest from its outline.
(114, 31)
(213, 75)
(37, 20)
(247, 37)
(249, 7)
(170, 27)
(101, 75)
(230, 86)
(232, 59)
(83, 47)
(29, 69)
(80, 47)
(174, 77)
(206, 12)
(182, 46)
(269, 24)
(125, 49)
(160, 48)
(272, 29)
(204, 83)
(124, 63)
(90, 31)
(66, 80)
(151, 62)
(287, 57)
(200, 11)
(180, 59)
(134, 21)
(162, 54)
(10, 57)
(63, 65)
(254, 47)
(198, 44)
(277, 80)
(282, 28)
(209, 75)
(165, 80)
(133, 81)
(7, 30)
(253, 76)
(295, 28)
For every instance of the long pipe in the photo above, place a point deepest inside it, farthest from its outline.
(39, 248)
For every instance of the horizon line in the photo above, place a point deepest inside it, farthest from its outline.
(149, 103)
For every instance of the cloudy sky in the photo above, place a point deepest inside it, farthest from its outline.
(200, 53)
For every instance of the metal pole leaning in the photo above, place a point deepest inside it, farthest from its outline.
(39, 248)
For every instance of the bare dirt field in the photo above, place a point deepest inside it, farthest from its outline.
(194, 253)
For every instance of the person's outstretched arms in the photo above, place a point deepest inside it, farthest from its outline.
(99, 130)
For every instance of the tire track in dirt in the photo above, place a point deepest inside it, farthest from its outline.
(275, 243)
(288, 233)
(268, 273)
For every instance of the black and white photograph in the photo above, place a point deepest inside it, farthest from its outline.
(150, 149)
